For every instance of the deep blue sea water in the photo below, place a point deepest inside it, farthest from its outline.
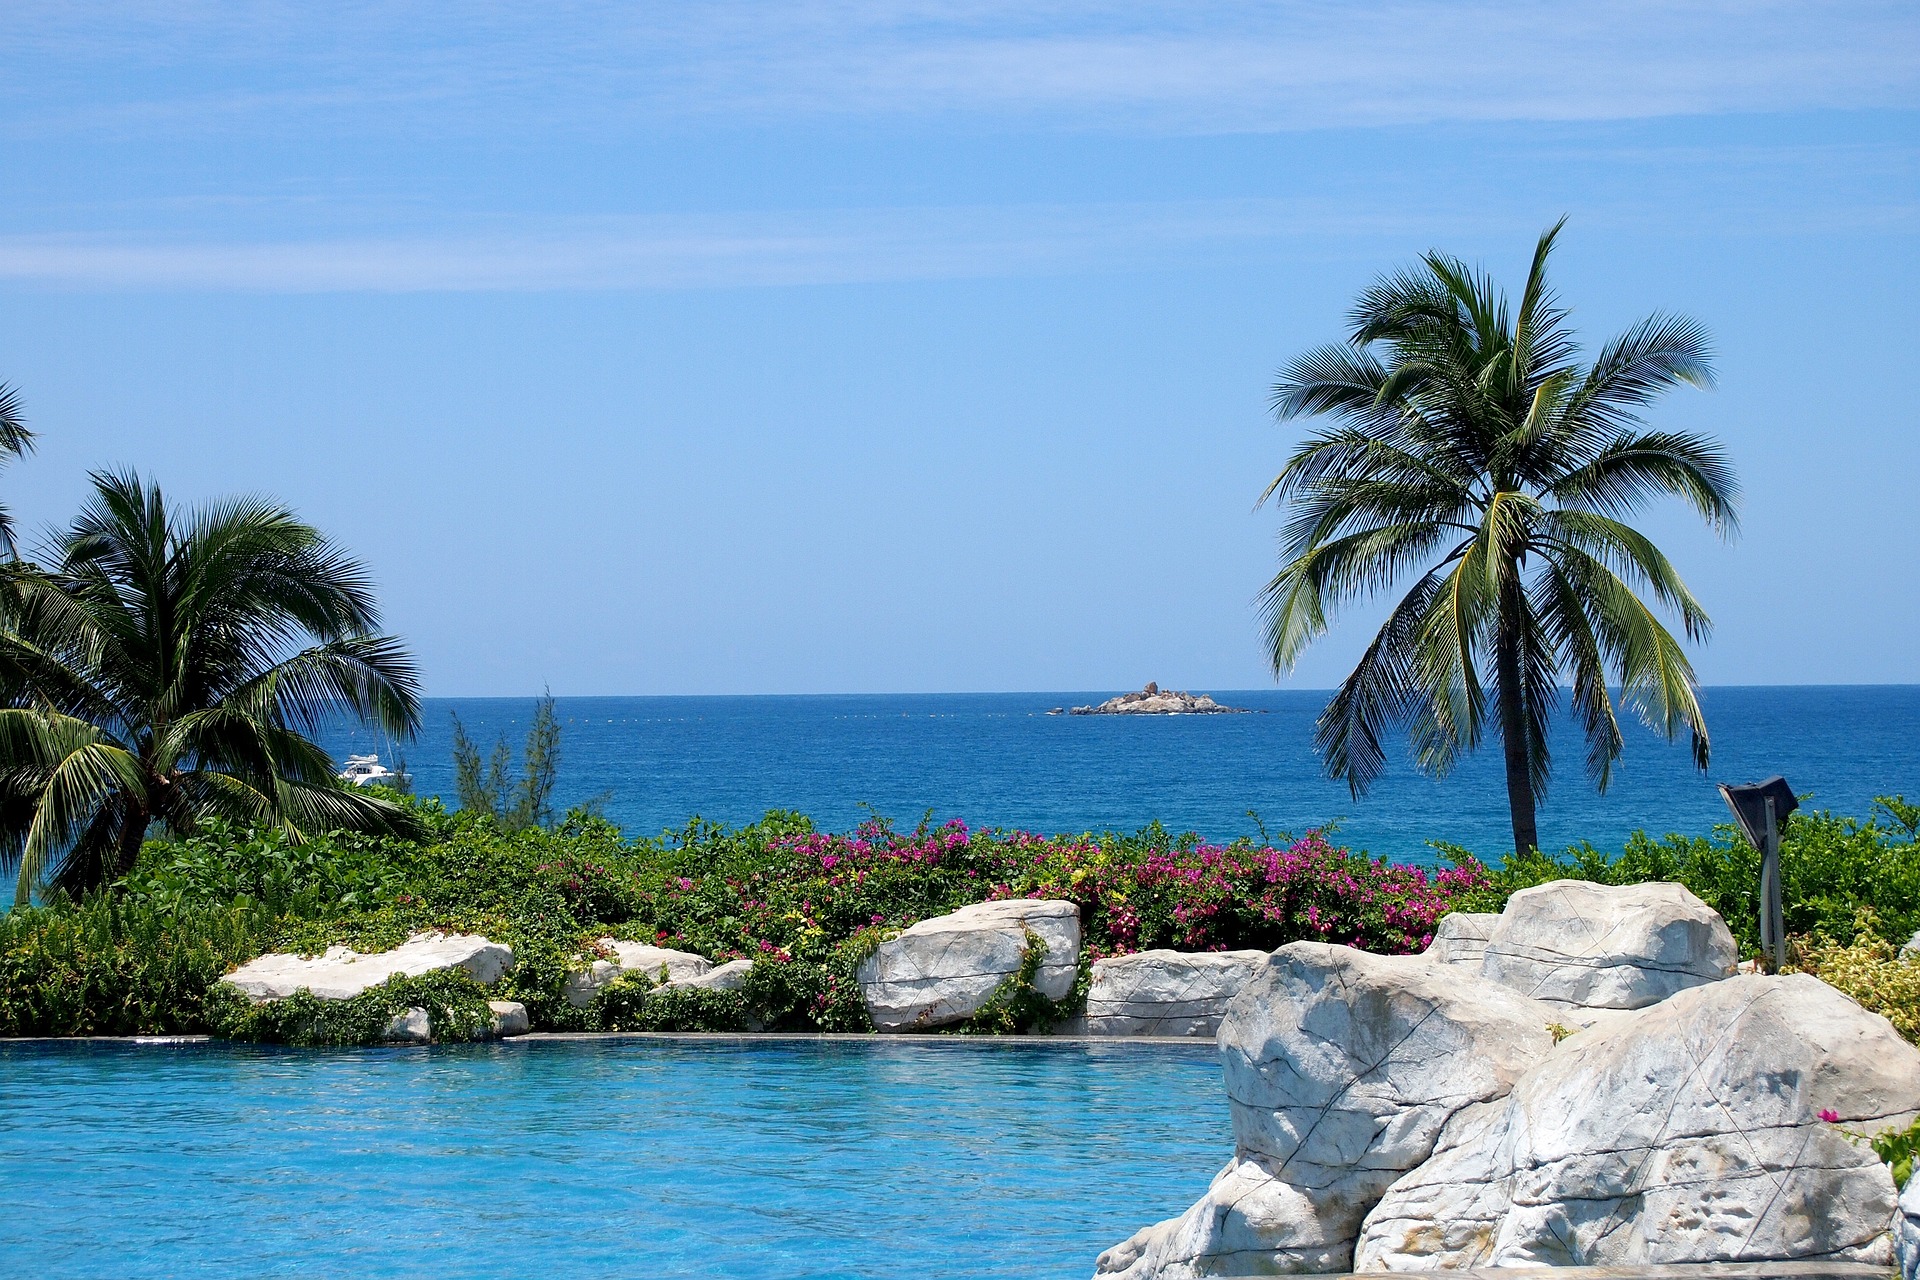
(999, 759)
(721, 1160)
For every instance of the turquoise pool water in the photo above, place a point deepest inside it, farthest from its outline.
(631, 1158)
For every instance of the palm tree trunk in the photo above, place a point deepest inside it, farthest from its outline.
(133, 833)
(1513, 741)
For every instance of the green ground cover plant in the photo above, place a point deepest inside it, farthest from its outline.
(144, 954)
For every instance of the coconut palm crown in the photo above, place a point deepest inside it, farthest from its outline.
(1483, 474)
(171, 667)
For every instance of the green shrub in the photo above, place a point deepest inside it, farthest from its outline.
(111, 966)
(807, 908)
(456, 1009)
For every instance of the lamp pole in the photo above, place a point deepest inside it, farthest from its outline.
(1773, 925)
(1759, 808)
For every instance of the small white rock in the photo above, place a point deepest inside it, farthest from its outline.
(656, 964)
(411, 1027)
(509, 1018)
(730, 976)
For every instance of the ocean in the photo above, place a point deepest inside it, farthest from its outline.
(997, 759)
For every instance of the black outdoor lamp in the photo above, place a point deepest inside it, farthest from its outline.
(1761, 809)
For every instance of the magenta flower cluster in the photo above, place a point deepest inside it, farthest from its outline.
(802, 892)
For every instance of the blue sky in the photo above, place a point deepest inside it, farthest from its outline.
(867, 347)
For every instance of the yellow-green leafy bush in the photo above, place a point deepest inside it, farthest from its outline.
(1870, 970)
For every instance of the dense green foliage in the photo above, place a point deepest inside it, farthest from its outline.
(171, 667)
(806, 907)
(111, 966)
(1481, 466)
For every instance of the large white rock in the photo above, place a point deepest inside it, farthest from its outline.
(1688, 1132)
(1590, 946)
(341, 973)
(656, 964)
(1906, 1232)
(1166, 993)
(1342, 1068)
(943, 970)
(730, 976)
(1461, 937)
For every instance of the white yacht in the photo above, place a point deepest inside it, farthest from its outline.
(367, 771)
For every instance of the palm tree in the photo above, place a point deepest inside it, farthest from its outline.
(15, 440)
(174, 669)
(1476, 455)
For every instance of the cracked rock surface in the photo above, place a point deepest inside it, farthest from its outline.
(945, 969)
(1688, 1132)
(1461, 938)
(1590, 946)
(1166, 993)
(1342, 1069)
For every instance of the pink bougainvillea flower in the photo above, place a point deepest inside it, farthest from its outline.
(1830, 1116)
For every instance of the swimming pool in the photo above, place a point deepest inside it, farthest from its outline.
(643, 1157)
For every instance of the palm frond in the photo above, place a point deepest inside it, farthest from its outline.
(1656, 680)
(73, 772)
(1631, 553)
(1635, 467)
(1383, 691)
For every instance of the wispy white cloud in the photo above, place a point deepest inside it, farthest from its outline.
(1211, 65)
(841, 246)
(678, 252)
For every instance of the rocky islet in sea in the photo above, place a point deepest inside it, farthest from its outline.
(1154, 701)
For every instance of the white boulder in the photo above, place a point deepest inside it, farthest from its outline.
(730, 976)
(410, 1026)
(1684, 1133)
(1342, 1068)
(945, 969)
(340, 973)
(656, 964)
(1461, 937)
(509, 1018)
(1590, 946)
(1166, 993)
(1906, 1232)
(1910, 949)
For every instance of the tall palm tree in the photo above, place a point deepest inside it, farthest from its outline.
(15, 440)
(173, 668)
(1476, 455)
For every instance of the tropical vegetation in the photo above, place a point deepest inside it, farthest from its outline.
(169, 669)
(145, 953)
(1477, 456)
